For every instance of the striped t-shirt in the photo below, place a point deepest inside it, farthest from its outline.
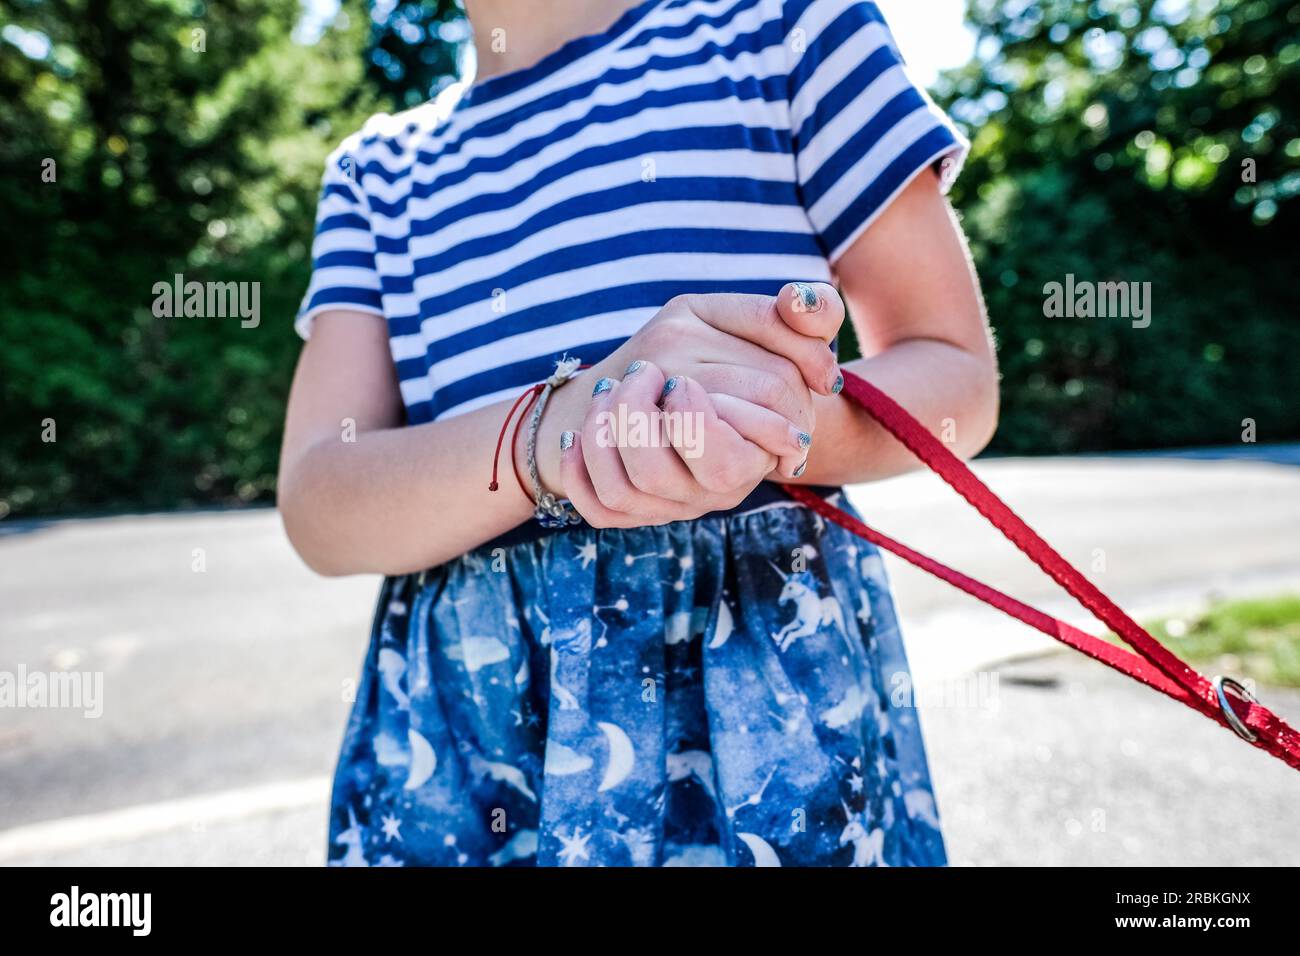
(694, 146)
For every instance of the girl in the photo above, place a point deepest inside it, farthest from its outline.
(691, 669)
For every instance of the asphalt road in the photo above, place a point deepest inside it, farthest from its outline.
(225, 689)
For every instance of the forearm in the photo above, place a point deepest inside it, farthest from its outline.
(400, 500)
(953, 392)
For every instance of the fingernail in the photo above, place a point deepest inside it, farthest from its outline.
(804, 439)
(566, 441)
(798, 472)
(634, 368)
(604, 385)
(808, 297)
(669, 385)
(839, 384)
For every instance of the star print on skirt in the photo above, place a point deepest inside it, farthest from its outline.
(730, 691)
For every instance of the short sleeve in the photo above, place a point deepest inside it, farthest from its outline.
(343, 252)
(862, 128)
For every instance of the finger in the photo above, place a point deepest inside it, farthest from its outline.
(580, 491)
(651, 464)
(743, 353)
(814, 309)
(766, 429)
(726, 465)
(600, 452)
(761, 388)
(755, 319)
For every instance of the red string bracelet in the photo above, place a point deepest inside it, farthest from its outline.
(531, 394)
(534, 391)
(514, 443)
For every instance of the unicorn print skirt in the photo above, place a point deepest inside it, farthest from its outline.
(730, 691)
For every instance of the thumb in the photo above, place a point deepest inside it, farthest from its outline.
(814, 309)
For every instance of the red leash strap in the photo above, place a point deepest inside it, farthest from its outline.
(1153, 664)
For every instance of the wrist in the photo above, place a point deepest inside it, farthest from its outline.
(561, 413)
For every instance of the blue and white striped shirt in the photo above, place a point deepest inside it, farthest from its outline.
(694, 146)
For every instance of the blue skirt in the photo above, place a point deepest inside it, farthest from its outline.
(730, 691)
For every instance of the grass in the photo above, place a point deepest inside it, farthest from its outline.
(1257, 639)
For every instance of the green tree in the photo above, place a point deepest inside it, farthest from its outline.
(1145, 141)
(144, 138)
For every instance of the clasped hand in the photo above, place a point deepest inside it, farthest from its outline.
(711, 397)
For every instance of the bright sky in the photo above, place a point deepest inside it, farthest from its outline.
(930, 33)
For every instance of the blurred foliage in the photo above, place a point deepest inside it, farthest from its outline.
(414, 48)
(1137, 141)
(188, 137)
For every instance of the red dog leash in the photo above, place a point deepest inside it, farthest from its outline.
(1153, 664)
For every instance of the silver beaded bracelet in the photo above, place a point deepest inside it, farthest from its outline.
(551, 512)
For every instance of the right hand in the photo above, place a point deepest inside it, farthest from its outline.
(739, 367)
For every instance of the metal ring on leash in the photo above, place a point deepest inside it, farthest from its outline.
(1221, 684)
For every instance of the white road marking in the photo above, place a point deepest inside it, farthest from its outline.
(132, 823)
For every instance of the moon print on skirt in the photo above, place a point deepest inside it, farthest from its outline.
(663, 696)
